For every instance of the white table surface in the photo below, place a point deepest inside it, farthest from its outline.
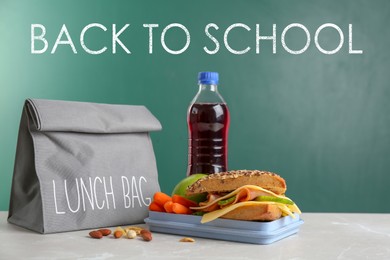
(322, 236)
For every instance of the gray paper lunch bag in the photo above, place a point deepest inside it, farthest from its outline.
(82, 165)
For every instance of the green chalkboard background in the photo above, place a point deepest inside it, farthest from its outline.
(321, 121)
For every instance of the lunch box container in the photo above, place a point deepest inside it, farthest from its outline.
(253, 232)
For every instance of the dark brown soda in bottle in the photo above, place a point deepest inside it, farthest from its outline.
(208, 126)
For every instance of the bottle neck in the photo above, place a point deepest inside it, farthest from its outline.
(209, 88)
(208, 93)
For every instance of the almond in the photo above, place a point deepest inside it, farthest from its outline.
(105, 231)
(121, 230)
(118, 234)
(95, 234)
(146, 235)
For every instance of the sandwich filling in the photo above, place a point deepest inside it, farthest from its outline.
(218, 205)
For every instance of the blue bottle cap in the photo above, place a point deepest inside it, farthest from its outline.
(208, 78)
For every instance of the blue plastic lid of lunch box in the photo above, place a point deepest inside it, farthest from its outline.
(224, 229)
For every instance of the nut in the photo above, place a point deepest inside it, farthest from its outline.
(146, 235)
(118, 234)
(187, 239)
(135, 228)
(96, 234)
(105, 231)
(121, 230)
(131, 234)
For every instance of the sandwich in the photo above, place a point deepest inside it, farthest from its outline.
(243, 195)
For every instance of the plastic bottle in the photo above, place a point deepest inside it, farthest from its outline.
(208, 125)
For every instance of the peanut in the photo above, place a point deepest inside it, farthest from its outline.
(135, 228)
(146, 235)
(118, 234)
(96, 234)
(105, 231)
(131, 234)
(187, 239)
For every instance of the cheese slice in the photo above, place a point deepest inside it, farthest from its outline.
(219, 213)
(294, 208)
